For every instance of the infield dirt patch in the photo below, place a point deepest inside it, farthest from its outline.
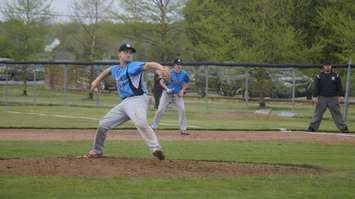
(111, 167)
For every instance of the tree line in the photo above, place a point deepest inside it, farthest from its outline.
(253, 31)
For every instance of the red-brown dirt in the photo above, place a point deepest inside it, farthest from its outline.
(109, 166)
(69, 134)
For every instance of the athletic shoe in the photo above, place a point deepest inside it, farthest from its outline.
(184, 132)
(159, 154)
(91, 155)
(311, 129)
(345, 130)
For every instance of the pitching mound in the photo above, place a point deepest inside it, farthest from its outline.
(110, 167)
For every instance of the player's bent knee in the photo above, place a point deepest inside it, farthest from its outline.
(104, 125)
(141, 125)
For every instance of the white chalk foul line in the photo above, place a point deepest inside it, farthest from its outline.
(173, 124)
(330, 134)
(81, 117)
(54, 115)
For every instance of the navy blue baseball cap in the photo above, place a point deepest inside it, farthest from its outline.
(126, 46)
(178, 61)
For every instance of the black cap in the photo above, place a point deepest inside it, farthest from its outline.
(126, 46)
(178, 61)
(326, 62)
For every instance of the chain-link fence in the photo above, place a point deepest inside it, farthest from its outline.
(219, 89)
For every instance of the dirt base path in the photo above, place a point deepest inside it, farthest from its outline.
(68, 134)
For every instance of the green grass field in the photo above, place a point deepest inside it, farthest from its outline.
(337, 159)
(338, 182)
(225, 115)
(83, 113)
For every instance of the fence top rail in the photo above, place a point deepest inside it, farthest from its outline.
(227, 64)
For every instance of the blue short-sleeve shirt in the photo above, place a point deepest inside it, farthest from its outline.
(178, 80)
(135, 73)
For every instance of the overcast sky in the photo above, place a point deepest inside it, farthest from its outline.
(58, 7)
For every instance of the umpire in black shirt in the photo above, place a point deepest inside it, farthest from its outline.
(328, 93)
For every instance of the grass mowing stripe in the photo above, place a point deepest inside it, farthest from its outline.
(274, 152)
(271, 187)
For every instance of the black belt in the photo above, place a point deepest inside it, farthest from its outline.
(132, 96)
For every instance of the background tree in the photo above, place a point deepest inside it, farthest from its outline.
(88, 14)
(26, 31)
(155, 24)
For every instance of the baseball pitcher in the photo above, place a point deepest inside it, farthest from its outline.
(134, 105)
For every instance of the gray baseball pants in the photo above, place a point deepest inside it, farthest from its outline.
(165, 100)
(134, 109)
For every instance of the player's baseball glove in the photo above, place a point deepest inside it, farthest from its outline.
(165, 73)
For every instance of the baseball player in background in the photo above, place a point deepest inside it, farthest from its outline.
(328, 93)
(173, 92)
(134, 105)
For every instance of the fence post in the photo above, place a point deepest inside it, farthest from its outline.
(206, 88)
(35, 84)
(246, 92)
(97, 97)
(347, 90)
(293, 89)
(6, 84)
(97, 93)
(65, 85)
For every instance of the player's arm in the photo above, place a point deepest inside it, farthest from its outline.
(164, 72)
(183, 88)
(340, 90)
(152, 66)
(316, 88)
(96, 83)
(162, 84)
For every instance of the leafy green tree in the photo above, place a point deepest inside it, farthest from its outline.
(88, 13)
(25, 34)
(155, 24)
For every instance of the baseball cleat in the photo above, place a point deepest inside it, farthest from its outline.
(310, 129)
(184, 132)
(91, 155)
(159, 154)
(345, 130)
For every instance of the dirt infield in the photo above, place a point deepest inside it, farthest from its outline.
(68, 134)
(111, 167)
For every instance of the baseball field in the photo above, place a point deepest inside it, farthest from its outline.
(231, 153)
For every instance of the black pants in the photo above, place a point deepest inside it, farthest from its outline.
(334, 108)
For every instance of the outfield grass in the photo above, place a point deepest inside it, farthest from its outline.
(219, 117)
(337, 159)
(84, 113)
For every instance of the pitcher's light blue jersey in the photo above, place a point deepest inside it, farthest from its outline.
(121, 75)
